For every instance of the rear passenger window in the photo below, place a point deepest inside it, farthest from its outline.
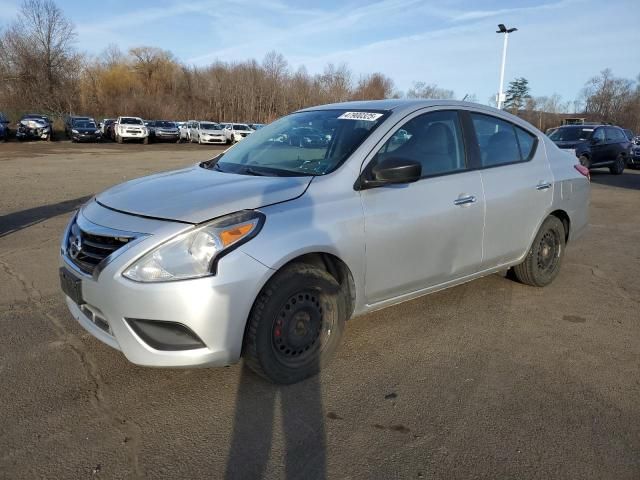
(615, 135)
(526, 141)
(501, 142)
(432, 139)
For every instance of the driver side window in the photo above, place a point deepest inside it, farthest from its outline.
(433, 139)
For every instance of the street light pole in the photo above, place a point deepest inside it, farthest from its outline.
(506, 31)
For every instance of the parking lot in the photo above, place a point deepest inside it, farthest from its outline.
(491, 379)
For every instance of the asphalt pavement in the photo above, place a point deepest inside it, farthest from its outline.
(491, 379)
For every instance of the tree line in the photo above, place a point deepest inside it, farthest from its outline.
(41, 70)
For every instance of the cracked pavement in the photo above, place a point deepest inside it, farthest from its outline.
(491, 379)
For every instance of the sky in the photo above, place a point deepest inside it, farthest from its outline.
(559, 44)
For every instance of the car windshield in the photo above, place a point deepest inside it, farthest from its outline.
(210, 126)
(130, 121)
(165, 124)
(83, 124)
(278, 149)
(240, 127)
(571, 134)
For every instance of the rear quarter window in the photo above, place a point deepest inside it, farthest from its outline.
(501, 142)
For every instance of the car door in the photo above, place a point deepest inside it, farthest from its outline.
(518, 186)
(599, 146)
(616, 141)
(426, 233)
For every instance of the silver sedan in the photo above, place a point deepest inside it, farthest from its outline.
(266, 250)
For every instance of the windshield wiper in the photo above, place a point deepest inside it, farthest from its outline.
(251, 171)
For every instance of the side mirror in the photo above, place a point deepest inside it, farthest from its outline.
(390, 171)
(595, 140)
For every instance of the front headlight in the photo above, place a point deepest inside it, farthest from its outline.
(74, 131)
(193, 254)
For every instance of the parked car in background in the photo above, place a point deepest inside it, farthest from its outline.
(5, 132)
(163, 131)
(630, 135)
(208, 132)
(85, 131)
(234, 132)
(185, 130)
(104, 125)
(255, 126)
(69, 121)
(634, 159)
(131, 128)
(595, 145)
(266, 252)
(34, 126)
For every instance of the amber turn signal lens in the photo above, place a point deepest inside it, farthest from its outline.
(235, 233)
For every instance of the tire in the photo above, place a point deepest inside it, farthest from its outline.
(543, 261)
(118, 138)
(145, 141)
(618, 167)
(281, 351)
(584, 161)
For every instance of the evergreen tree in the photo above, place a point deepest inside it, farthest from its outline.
(517, 94)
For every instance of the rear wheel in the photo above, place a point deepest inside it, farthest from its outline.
(618, 167)
(542, 263)
(295, 324)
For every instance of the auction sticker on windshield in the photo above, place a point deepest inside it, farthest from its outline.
(368, 116)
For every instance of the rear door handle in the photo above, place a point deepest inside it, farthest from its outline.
(543, 186)
(465, 200)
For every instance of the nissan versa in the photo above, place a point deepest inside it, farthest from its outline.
(267, 249)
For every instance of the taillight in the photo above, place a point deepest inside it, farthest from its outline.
(583, 170)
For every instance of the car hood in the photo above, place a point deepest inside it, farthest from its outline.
(196, 194)
(572, 144)
(85, 130)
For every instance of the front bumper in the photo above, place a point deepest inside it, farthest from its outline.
(167, 136)
(215, 140)
(126, 135)
(215, 308)
(86, 137)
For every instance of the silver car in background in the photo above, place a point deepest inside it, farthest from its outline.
(207, 132)
(267, 249)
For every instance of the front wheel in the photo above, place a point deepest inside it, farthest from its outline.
(295, 324)
(145, 141)
(542, 263)
(618, 167)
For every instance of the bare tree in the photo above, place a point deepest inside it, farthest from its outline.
(38, 51)
(423, 90)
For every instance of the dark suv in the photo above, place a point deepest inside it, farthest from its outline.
(595, 145)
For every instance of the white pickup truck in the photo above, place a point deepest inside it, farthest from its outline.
(131, 128)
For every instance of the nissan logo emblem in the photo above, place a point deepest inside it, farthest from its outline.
(75, 247)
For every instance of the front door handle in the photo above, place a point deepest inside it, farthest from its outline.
(543, 186)
(465, 200)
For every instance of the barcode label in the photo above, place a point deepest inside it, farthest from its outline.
(367, 116)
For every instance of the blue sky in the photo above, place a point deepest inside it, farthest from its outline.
(559, 45)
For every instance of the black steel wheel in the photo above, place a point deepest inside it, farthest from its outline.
(295, 324)
(542, 263)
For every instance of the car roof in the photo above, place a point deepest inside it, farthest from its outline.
(589, 125)
(406, 106)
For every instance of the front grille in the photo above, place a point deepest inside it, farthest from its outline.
(87, 250)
